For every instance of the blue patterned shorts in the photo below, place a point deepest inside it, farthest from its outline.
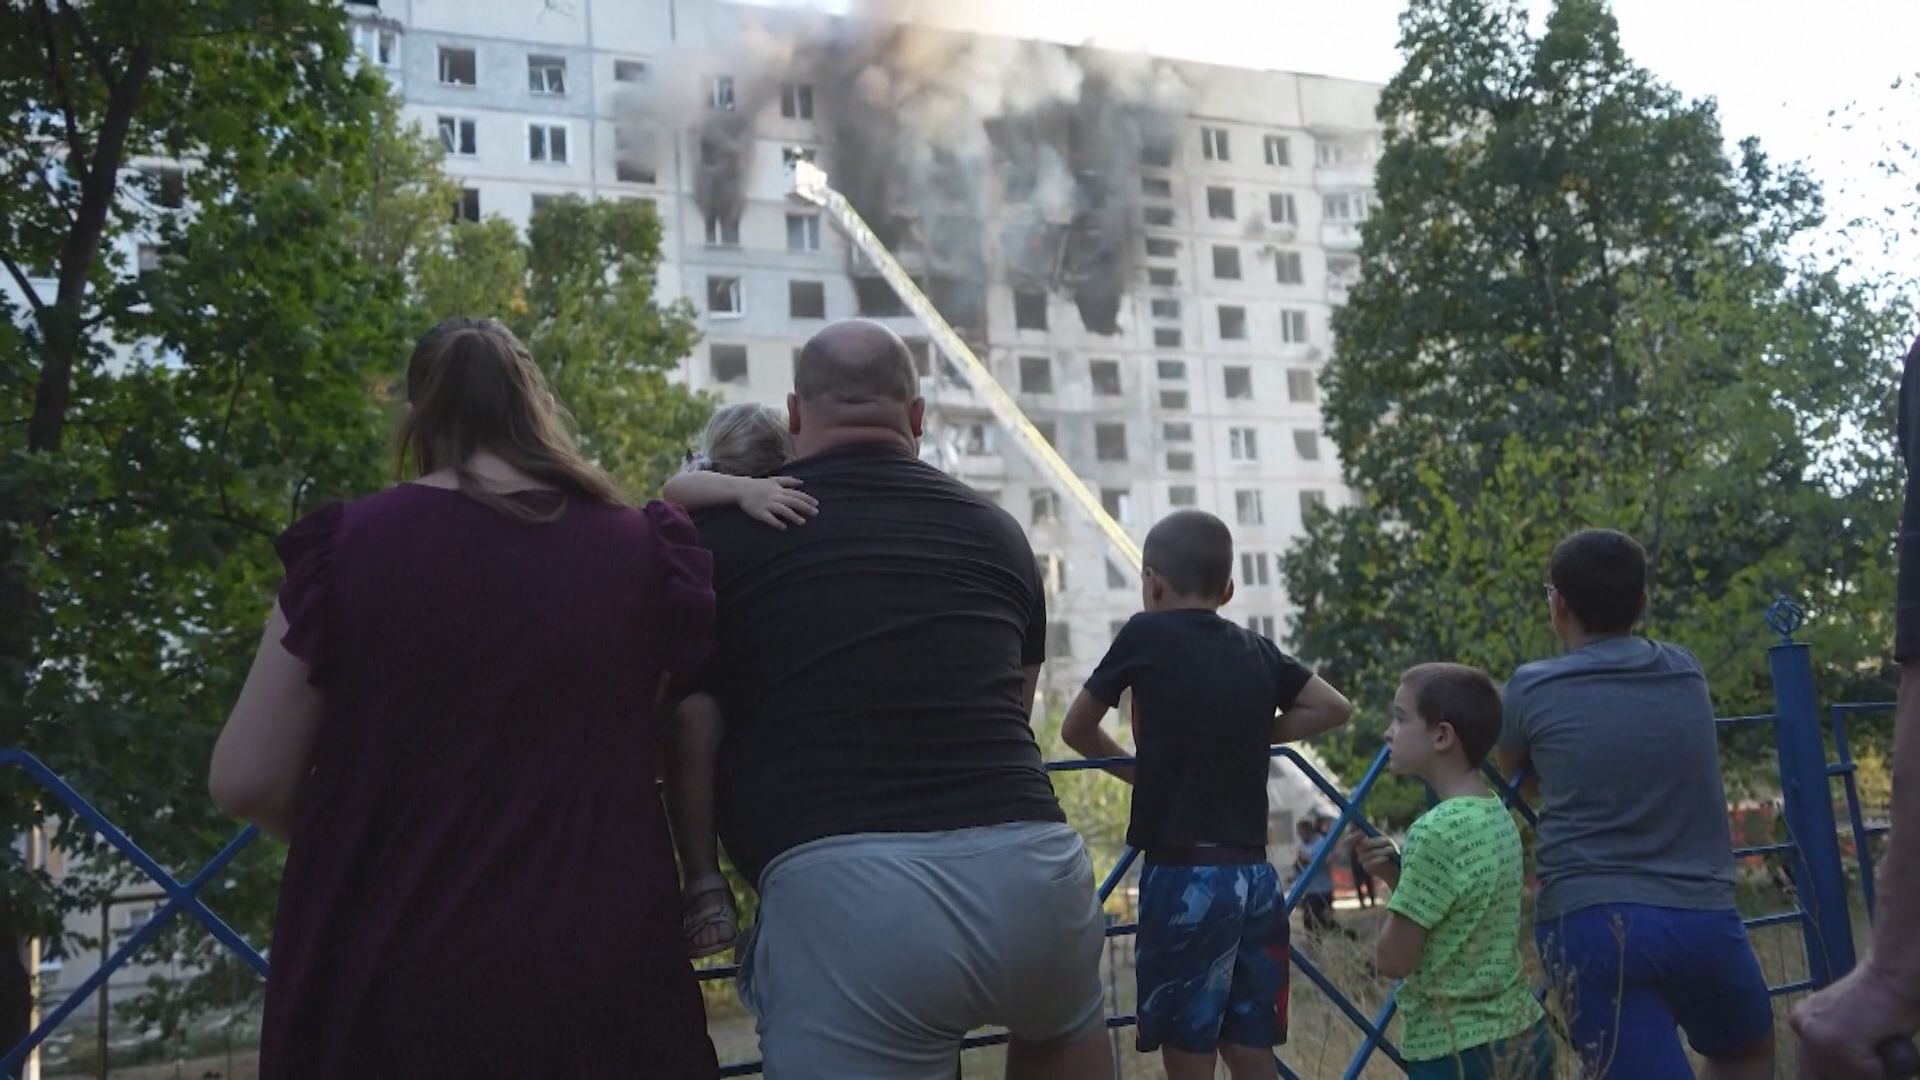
(1211, 957)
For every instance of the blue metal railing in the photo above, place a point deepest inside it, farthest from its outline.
(1806, 777)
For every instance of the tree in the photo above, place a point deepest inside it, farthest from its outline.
(1576, 309)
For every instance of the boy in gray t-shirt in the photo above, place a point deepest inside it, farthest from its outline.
(1635, 915)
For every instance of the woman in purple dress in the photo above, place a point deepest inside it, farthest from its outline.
(454, 721)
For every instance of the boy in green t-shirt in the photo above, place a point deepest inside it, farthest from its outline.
(1453, 924)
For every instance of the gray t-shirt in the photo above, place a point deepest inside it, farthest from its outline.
(1621, 736)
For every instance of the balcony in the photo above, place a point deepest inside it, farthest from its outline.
(1340, 235)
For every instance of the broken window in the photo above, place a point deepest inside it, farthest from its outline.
(1300, 385)
(457, 136)
(1248, 508)
(1044, 506)
(1036, 375)
(1220, 203)
(873, 296)
(1059, 644)
(1110, 442)
(723, 231)
(1156, 187)
(1277, 150)
(1159, 216)
(1118, 503)
(724, 296)
(1226, 262)
(1160, 247)
(1181, 432)
(1182, 495)
(1029, 311)
(547, 74)
(1280, 209)
(1164, 307)
(1053, 571)
(632, 71)
(457, 67)
(803, 232)
(727, 363)
(377, 43)
(547, 142)
(1213, 144)
(1239, 382)
(631, 172)
(1045, 428)
(1243, 444)
(976, 439)
(806, 300)
(1163, 275)
(1167, 337)
(1233, 323)
(467, 206)
(1172, 369)
(1307, 445)
(720, 93)
(1293, 326)
(796, 101)
(1288, 268)
(1179, 461)
(1157, 153)
(1173, 400)
(169, 187)
(1106, 377)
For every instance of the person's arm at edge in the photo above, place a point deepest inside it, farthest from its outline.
(774, 500)
(265, 752)
(1318, 709)
(1081, 730)
(1510, 754)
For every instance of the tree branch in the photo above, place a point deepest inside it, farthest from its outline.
(26, 285)
(77, 152)
(102, 59)
(53, 193)
(166, 509)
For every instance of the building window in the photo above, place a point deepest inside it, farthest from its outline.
(1029, 311)
(1171, 369)
(1307, 445)
(146, 258)
(803, 232)
(632, 172)
(724, 296)
(727, 363)
(1157, 153)
(1226, 263)
(1243, 444)
(1288, 268)
(720, 93)
(1239, 383)
(1262, 625)
(541, 202)
(1059, 645)
(1281, 210)
(377, 43)
(1053, 571)
(547, 74)
(1106, 377)
(1036, 375)
(796, 101)
(1045, 428)
(1220, 203)
(1118, 503)
(457, 136)
(1110, 442)
(1159, 247)
(547, 142)
(1330, 153)
(1300, 385)
(1180, 432)
(1346, 206)
(1167, 337)
(1213, 144)
(1180, 496)
(1044, 507)
(723, 231)
(1311, 503)
(467, 206)
(1163, 275)
(1164, 307)
(1277, 150)
(1247, 507)
(1253, 568)
(1161, 216)
(1293, 326)
(168, 186)
(457, 67)
(1233, 323)
(976, 440)
(1156, 187)
(922, 359)
(632, 71)
(806, 300)
(1179, 461)
(1175, 400)
(1116, 577)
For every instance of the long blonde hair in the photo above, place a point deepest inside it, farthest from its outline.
(473, 387)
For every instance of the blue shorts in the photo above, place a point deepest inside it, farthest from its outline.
(1211, 958)
(1526, 1056)
(1629, 974)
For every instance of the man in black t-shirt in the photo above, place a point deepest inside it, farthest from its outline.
(1209, 701)
(878, 780)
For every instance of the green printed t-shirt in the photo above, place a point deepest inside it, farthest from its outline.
(1461, 877)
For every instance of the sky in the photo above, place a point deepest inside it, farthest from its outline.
(1776, 67)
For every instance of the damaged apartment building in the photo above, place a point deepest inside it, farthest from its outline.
(1145, 251)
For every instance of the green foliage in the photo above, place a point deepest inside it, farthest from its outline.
(1577, 310)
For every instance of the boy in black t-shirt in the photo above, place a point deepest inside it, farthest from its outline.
(1209, 700)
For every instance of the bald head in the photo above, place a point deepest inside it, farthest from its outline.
(853, 381)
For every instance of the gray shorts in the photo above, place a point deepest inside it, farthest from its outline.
(874, 954)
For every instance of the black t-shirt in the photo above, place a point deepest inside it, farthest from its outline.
(871, 662)
(1206, 691)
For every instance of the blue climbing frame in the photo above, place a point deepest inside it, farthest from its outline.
(1806, 783)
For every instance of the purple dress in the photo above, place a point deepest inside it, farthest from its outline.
(480, 882)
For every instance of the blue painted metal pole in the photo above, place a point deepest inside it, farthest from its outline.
(1808, 799)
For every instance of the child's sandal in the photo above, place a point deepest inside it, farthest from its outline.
(709, 905)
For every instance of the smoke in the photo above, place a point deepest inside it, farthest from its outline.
(932, 135)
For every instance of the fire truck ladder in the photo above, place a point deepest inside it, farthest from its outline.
(808, 182)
